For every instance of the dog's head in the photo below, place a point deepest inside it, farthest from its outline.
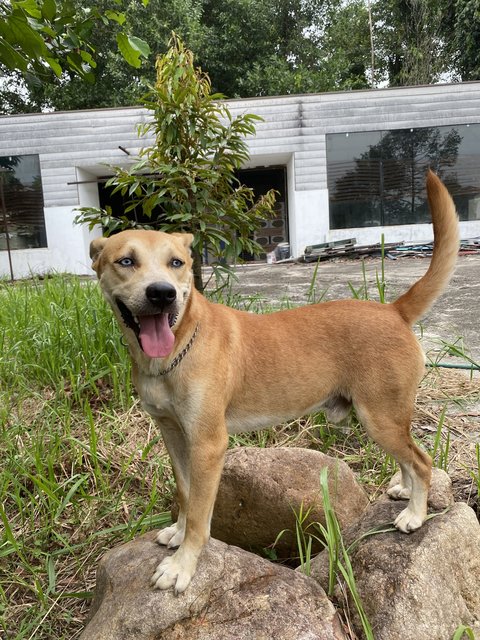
(146, 276)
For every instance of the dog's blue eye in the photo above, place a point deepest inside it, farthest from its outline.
(125, 262)
(176, 263)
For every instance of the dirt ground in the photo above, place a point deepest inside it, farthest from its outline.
(453, 319)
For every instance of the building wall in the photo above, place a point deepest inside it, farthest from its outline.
(74, 147)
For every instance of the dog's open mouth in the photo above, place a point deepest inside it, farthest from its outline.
(154, 332)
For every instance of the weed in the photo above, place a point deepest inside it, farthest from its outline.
(475, 473)
(362, 292)
(72, 481)
(454, 349)
(380, 280)
(312, 295)
(440, 451)
(463, 631)
(339, 563)
(304, 538)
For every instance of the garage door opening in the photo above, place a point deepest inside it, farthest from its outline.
(272, 231)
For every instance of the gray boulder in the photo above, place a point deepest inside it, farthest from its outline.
(261, 489)
(419, 586)
(440, 494)
(234, 595)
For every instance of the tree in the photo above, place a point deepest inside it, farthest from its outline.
(287, 46)
(409, 41)
(248, 48)
(345, 48)
(186, 180)
(45, 39)
(462, 33)
(116, 82)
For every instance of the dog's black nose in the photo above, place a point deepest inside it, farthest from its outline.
(161, 294)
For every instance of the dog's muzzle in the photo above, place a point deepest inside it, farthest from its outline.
(152, 325)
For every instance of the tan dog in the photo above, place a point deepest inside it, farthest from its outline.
(204, 370)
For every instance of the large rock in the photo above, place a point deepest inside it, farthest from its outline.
(419, 586)
(440, 493)
(261, 489)
(233, 596)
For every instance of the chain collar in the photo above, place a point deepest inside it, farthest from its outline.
(176, 361)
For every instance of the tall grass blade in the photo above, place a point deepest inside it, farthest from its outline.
(339, 560)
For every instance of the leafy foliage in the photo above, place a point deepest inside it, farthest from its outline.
(38, 37)
(465, 27)
(186, 180)
(409, 42)
(248, 47)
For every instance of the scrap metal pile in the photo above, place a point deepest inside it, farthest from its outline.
(349, 249)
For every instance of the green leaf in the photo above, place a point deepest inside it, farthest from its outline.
(88, 77)
(116, 16)
(11, 58)
(56, 68)
(49, 9)
(75, 62)
(140, 45)
(132, 49)
(21, 34)
(30, 7)
(86, 57)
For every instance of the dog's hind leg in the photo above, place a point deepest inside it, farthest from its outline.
(175, 441)
(207, 445)
(393, 435)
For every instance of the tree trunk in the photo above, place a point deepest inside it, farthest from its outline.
(197, 270)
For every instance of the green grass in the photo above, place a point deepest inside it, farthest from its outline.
(73, 481)
(340, 570)
(83, 468)
(463, 632)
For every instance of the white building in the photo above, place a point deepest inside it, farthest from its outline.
(350, 164)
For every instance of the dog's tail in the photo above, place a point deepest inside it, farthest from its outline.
(420, 297)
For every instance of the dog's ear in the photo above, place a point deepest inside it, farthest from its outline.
(186, 238)
(96, 247)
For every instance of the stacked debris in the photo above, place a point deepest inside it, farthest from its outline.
(470, 246)
(349, 249)
(342, 249)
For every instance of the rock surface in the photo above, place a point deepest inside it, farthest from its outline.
(419, 586)
(233, 596)
(261, 489)
(440, 494)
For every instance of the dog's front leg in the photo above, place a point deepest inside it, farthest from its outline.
(207, 451)
(177, 446)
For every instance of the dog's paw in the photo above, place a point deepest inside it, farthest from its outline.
(174, 571)
(172, 536)
(408, 521)
(399, 492)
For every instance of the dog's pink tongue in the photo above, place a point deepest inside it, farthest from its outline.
(156, 336)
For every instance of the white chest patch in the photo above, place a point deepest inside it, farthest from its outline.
(155, 397)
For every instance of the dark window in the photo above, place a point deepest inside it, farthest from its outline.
(21, 203)
(378, 178)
